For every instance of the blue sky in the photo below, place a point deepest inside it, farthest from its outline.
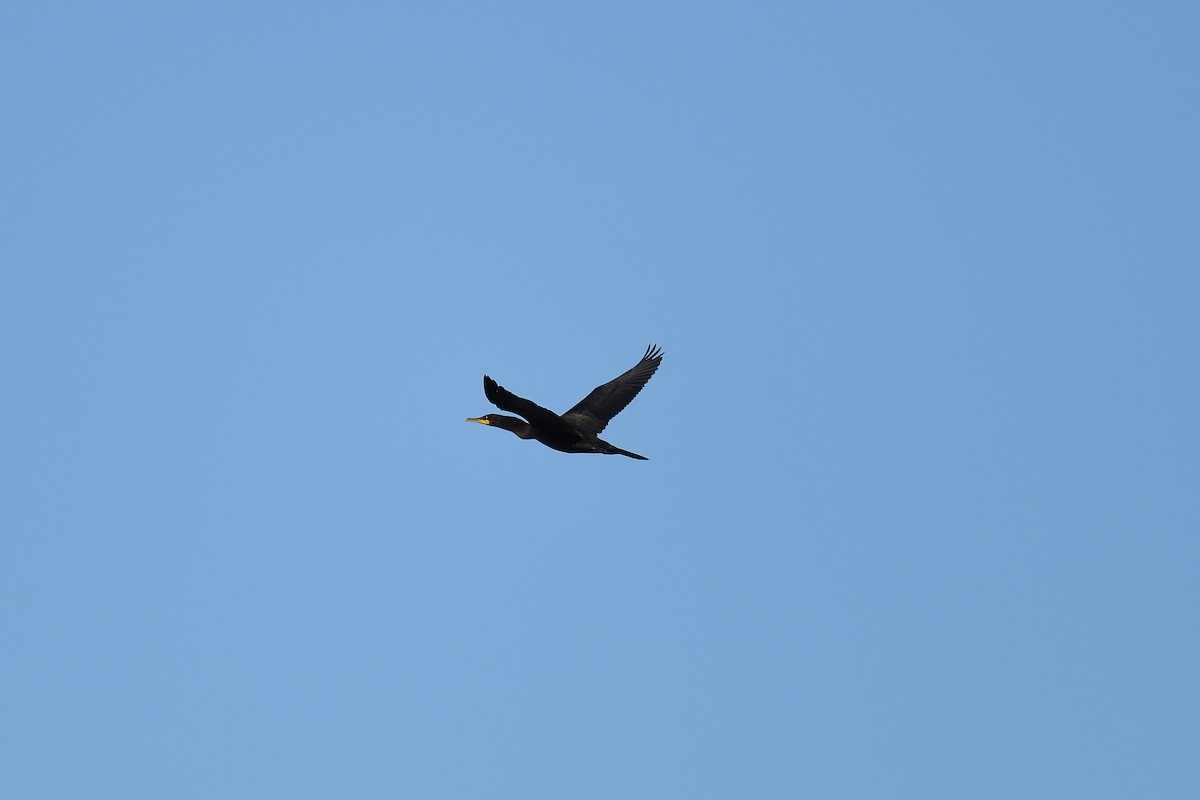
(920, 516)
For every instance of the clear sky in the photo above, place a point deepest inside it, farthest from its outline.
(920, 518)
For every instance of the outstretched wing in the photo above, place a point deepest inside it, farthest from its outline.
(505, 400)
(593, 412)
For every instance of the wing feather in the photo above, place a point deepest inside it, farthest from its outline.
(594, 412)
(505, 400)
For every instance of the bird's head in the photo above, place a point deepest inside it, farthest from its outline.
(517, 426)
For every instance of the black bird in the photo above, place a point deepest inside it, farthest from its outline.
(576, 431)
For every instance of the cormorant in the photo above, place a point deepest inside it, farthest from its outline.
(576, 431)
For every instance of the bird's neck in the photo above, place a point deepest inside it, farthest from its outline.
(518, 426)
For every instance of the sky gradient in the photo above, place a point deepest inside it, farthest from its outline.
(920, 517)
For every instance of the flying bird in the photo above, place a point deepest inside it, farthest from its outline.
(578, 430)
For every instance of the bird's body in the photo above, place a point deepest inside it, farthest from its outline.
(577, 430)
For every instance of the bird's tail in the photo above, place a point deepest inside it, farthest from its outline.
(608, 449)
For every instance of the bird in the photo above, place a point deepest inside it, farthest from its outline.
(578, 430)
